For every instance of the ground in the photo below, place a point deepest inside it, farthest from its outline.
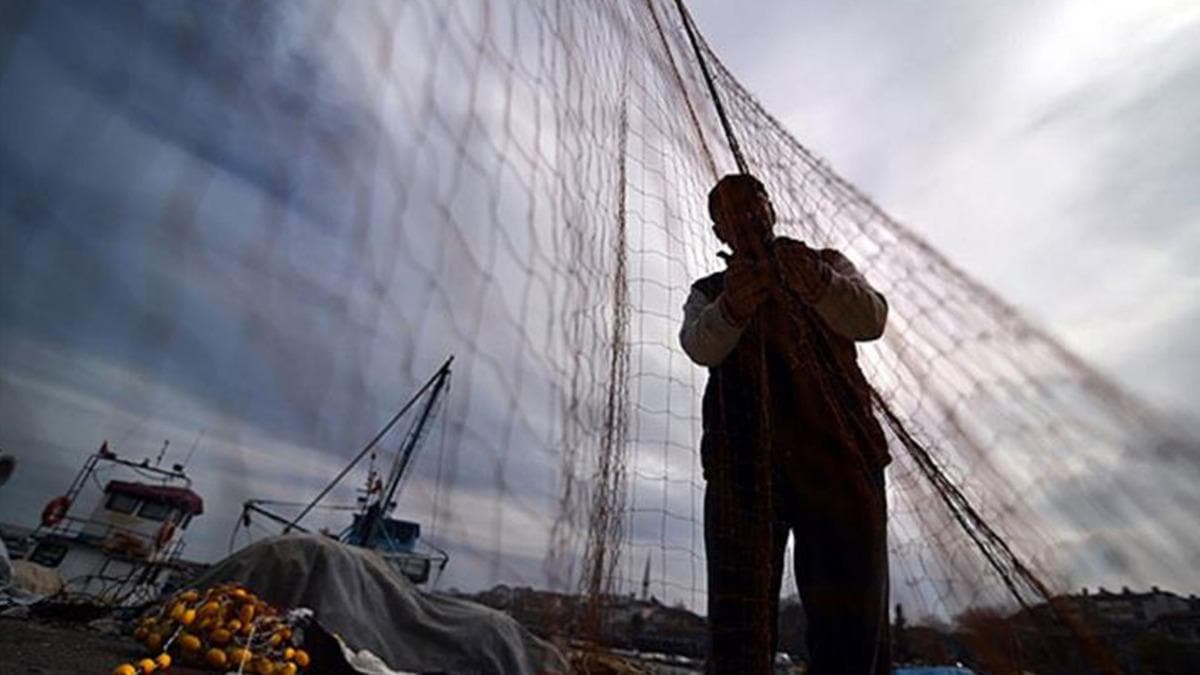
(60, 649)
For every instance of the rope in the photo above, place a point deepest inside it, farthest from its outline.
(734, 147)
(683, 90)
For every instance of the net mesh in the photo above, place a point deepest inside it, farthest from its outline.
(271, 222)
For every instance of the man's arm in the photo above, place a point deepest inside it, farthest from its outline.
(707, 334)
(848, 303)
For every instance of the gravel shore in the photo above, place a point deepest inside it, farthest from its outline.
(32, 646)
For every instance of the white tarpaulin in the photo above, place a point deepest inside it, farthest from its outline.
(358, 597)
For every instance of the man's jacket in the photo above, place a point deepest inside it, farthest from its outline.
(788, 380)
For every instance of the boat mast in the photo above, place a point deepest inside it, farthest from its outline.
(438, 381)
(411, 443)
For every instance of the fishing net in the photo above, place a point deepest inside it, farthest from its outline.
(269, 223)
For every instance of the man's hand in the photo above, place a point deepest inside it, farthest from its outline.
(746, 285)
(803, 270)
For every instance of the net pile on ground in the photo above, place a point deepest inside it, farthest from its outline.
(299, 209)
(221, 627)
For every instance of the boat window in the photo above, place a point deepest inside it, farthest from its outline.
(155, 511)
(122, 503)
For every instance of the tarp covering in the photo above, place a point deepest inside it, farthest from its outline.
(357, 596)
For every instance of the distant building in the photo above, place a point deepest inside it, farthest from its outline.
(629, 623)
(1129, 608)
(1119, 624)
(670, 630)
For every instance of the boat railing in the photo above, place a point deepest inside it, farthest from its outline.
(112, 538)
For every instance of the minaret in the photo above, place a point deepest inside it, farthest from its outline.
(646, 580)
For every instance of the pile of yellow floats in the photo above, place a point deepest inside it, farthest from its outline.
(225, 628)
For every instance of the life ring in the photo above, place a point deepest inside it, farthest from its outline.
(164, 534)
(55, 511)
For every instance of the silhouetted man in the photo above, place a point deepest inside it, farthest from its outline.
(790, 443)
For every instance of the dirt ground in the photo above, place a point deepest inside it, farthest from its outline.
(43, 647)
(28, 646)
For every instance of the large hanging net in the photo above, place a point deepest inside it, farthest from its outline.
(270, 222)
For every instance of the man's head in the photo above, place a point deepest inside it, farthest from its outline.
(741, 211)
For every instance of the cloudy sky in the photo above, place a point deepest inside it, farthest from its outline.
(216, 230)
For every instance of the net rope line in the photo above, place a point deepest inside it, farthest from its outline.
(606, 521)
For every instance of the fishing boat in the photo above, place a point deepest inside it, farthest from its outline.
(372, 525)
(116, 535)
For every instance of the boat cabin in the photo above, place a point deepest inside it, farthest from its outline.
(126, 545)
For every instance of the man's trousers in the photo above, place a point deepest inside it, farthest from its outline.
(837, 511)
